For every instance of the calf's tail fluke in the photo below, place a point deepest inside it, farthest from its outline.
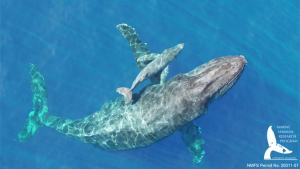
(40, 109)
(126, 92)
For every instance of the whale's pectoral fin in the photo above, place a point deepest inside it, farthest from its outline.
(191, 136)
(137, 46)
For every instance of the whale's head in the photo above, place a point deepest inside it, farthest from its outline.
(209, 80)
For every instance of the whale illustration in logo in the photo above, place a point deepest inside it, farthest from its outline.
(274, 146)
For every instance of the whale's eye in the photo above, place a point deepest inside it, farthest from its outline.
(283, 150)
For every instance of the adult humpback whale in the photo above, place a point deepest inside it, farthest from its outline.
(160, 110)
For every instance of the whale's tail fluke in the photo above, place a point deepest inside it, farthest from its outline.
(126, 92)
(40, 108)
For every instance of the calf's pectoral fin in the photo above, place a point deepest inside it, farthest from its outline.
(191, 136)
(163, 75)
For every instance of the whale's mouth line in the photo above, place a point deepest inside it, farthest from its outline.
(230, 83)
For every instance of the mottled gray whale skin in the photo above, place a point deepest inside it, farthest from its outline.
(160, 110)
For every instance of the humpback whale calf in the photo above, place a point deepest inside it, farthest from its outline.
(160, 110)
(141, 52)
(155, 66)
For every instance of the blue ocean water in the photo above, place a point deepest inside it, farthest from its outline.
(84, 59)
